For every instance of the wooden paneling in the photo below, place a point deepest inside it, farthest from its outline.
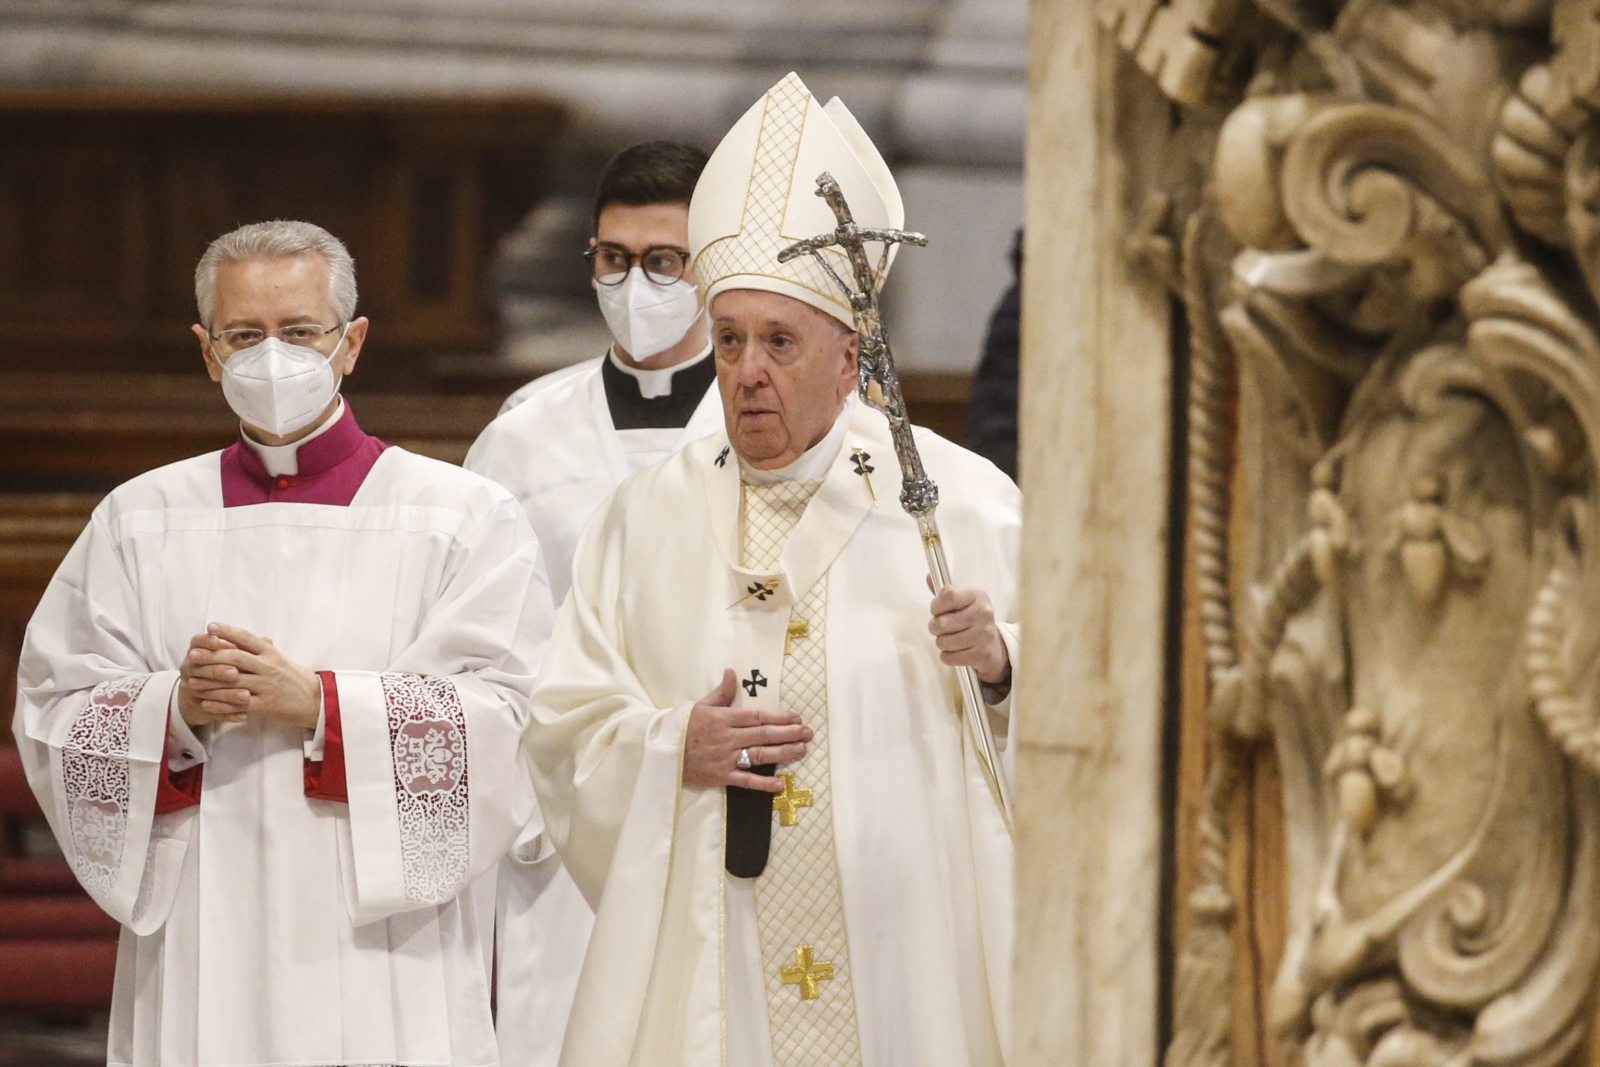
(938, 401)
(107, 201)
(93, 431)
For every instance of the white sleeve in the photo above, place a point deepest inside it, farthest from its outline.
(92, 723)
(184, 747)
(438, 787)
(317, 743)
(606, 760)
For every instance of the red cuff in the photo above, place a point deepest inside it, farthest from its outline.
(178, 790)
(325, 778)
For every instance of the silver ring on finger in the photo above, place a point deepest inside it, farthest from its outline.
(743, 762)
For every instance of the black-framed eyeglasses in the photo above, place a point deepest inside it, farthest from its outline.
(305, 334)
(663, 264)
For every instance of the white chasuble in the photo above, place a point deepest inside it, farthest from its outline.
(263, 925)
(685, 962)
(558, 452)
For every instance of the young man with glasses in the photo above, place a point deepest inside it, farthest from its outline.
(569, 440)
(272, 704)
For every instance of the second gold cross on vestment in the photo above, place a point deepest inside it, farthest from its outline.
(789, 802)
(806, 971)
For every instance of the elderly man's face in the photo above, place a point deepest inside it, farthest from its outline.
(271, 294)
(784, 369)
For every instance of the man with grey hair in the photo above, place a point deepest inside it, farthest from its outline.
(271, 705)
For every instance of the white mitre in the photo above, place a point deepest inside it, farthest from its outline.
(758, 195)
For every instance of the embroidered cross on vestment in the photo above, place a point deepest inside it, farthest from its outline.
(789, 802)
(859, 457)
(806, 971)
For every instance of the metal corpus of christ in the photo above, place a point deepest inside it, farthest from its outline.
(880, 389)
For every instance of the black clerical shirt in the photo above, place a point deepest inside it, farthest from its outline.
(632, 410)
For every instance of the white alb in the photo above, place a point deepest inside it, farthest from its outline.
(262, 927)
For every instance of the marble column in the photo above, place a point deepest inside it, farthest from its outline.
(1096, 417)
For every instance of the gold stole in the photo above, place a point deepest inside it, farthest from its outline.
(799, 908)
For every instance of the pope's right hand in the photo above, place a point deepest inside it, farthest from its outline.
(717, 731)
(208, 693)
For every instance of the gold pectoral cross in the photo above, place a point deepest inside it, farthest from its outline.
(806, 971)
(789, 802)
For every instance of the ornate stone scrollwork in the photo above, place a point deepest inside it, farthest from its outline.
(1391, 277)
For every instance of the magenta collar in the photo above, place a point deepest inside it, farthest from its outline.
(332, 467)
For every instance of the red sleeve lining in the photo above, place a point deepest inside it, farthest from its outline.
(177, 790)
(325, 778)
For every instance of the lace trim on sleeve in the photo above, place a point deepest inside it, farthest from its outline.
(428, 739)
(94, 777)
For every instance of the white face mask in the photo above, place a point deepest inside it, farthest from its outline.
(280, 387)
(647, 318)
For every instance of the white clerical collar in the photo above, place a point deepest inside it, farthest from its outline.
(654, 383)
(814, 462)
(284, 459)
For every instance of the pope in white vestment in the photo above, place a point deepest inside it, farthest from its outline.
(292, 896)
(562, 444)
(878, 930)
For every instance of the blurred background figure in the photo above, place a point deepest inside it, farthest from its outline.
(455, 145)
(991, 429)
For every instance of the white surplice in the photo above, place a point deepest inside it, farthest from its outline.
(659, 607)
(260, 926)
(557, 451)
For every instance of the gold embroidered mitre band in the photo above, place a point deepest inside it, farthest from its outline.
(757, 196)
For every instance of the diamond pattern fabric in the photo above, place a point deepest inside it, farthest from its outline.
(798, 899)
(754, 249)
(769, 515)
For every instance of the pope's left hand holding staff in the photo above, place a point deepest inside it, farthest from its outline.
(748, 737)
(270, 704)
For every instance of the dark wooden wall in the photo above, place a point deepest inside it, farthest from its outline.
(107, 201)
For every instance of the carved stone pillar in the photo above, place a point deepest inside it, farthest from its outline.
(1096, 380)
(1381, 220)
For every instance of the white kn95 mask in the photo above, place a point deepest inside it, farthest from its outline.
(647, 318)
(280, 387)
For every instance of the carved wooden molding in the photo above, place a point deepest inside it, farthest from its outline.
(1176, 42)
(1397, 243)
